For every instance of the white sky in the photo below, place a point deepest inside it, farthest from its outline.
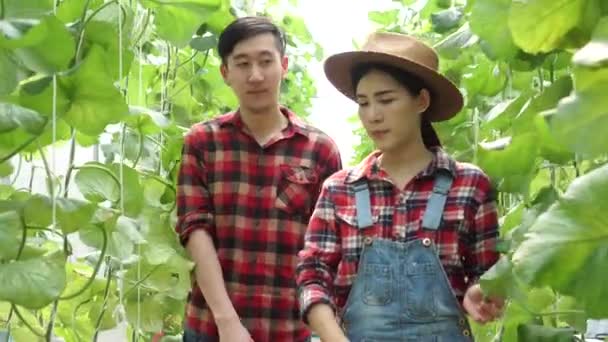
(334, 24)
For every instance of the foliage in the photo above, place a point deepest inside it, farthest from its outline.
(127, 78)
(534, 73)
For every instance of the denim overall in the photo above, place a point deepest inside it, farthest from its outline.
(401, 292)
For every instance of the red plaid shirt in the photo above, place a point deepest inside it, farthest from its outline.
(466, 239)
(255, 202)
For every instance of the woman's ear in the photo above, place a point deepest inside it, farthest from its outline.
(424, 100)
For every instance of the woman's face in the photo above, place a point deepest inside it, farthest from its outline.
(388, 111)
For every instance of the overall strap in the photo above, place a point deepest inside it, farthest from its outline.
(363, 204)
(436, 204)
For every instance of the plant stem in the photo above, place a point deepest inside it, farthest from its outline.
(49, 330)
(143, 30)
(68, 175)
(160, 180)
(105, 302)
(26, 323)
(48, 171)
(95, 270)
(141, 148)
(139, 282)
(19, 148)
(18, 171)
(541, 79)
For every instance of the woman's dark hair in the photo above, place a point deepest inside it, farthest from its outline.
(245, 28)
(412, 83)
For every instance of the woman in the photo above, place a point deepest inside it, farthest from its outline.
(396, 244)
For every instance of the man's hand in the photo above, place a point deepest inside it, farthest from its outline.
(232, 330)
(482, 309)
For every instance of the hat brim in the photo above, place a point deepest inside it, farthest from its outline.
(446, 99)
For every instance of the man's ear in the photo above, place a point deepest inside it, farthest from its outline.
(284, 65)
(424, 100)
(224, 72)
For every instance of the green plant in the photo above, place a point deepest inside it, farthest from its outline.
(126, 78)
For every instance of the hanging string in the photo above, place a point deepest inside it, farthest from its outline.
(120, 309)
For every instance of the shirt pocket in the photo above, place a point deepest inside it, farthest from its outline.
(452, 230)
(296, 189)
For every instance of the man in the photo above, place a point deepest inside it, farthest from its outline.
(247, 187)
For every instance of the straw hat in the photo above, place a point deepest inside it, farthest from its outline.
(408, 54)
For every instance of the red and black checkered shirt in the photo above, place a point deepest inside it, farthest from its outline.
(255, 202)
(466, 239)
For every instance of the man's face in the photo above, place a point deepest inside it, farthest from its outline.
(254, 70)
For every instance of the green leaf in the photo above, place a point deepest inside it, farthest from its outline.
(71, 10)
(539, 25)
(595, 53)
(510, 167)
(498, 280)
(10, 235)
(97, 183)
(33, 283)
(384, 18)
(6, 169)
(8, 70)
(73, 214)
(453, 45)
(567, 247)
(93, 96)
(46, 48)
(145, 120)
(162, 243)
(151, 313)
(447, 19)
(203, 43)
(539, 333)
(105, 311)
(28, 8)
(489, 20)
(132, 190)
(104, 34)
(580, 116)
(13, 116)
(38, 211)
(485, 78)
(178, 21)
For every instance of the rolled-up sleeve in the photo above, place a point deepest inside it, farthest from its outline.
(194, 210)
(318, 261)
(483, 233)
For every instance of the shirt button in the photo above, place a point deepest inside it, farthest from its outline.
(426, 242)
(396, 235)
(368, 240)
(461, 321)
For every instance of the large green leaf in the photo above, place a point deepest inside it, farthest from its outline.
(28, 8)
(33, 283)
(46, 47)
(595, 53)
(105, 34)
(178, 21)
(510, 162)
(133, 193)
(579, 117)
(540, 25)
(73, 214)
(489, 21)
(97, 183)
(13, 116)
(70, 11)
(8, 70)
(10, 234)
(567, 247)
(484, 78)
(95, 102)
(151, 313)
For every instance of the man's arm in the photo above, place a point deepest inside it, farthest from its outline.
(196, 230)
